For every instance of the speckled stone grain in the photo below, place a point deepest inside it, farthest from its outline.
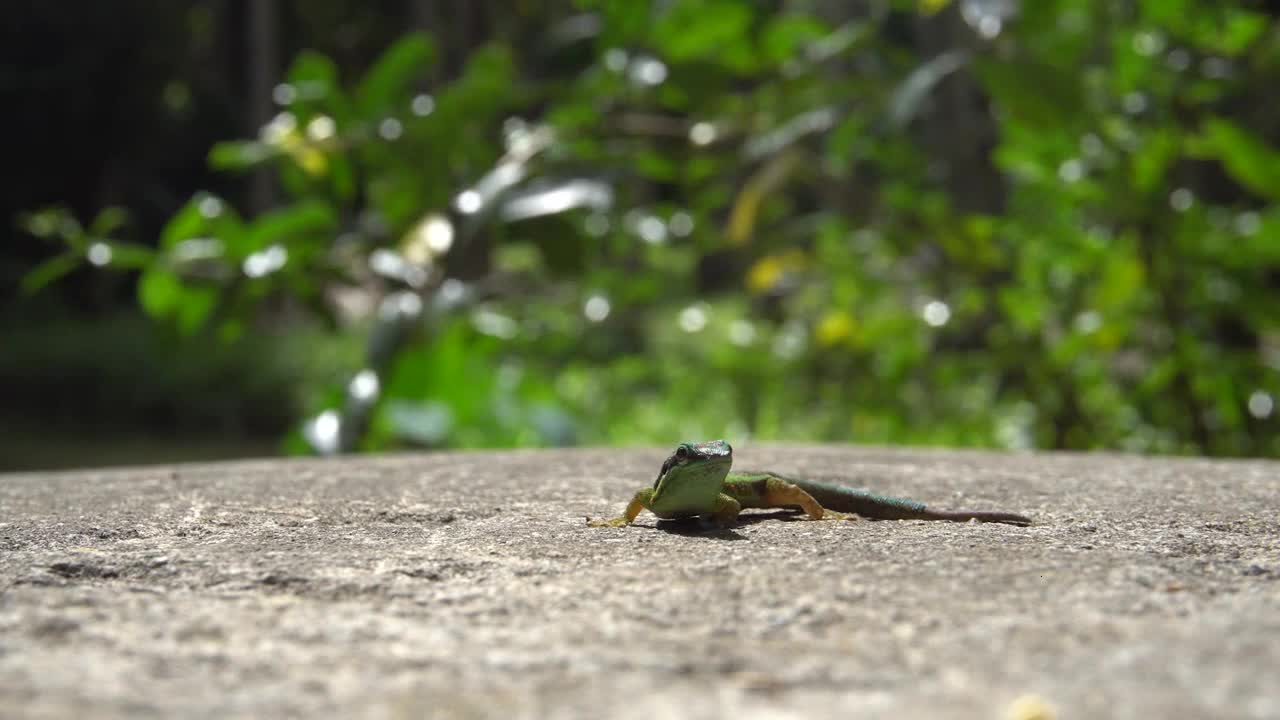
(468, 585)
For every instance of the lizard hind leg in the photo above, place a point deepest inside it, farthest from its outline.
(780, 493)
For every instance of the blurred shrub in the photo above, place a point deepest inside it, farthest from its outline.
(1052, 224)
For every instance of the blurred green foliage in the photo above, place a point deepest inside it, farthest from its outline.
(1053, 224)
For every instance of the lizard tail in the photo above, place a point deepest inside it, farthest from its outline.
(886, 507)
(861, 502)
(979, 515)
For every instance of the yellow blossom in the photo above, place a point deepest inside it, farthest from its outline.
(835, 327)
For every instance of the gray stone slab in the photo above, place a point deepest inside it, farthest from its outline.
(467, 585)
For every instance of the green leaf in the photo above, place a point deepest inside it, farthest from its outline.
(704, 30)
(49, 271)
(425, 423)
(342, 177)
(655, 165)
(196, 306)
(159, 292)
(915, 89)
(54, 223)
(316, 79)
(1159, 150)
(1123, 278)
(1169, 13)
(108, 221)
(163, 296)
(473, 101)
(1241, 28)
(204, 215)
(130, 255)
(239, 155)
(1034, 95)
(1023, 307)
(1259, 247)
(784, 35)
(314, 76)
(184, 225)
(285, 224)
(623, 20)
(1246, 157)
(385, 86)
(42, 223)
(456, 369)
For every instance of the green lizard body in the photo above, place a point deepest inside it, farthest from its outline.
(696, 481)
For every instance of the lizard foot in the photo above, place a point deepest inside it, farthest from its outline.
(616, 522)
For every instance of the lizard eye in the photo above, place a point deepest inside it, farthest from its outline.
(665, 467)
(682, 452)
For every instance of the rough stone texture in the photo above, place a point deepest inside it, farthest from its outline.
(467, 585)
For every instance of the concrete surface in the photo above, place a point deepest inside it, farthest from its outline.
(467, 585)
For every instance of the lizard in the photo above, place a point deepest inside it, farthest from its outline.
(696, 481)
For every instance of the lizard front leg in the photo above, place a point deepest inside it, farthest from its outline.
(642, 501)
(726, 510)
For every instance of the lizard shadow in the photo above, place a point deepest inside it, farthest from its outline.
(697, 527)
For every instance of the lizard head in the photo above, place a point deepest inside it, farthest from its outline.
(689, 458)
(694, 474)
